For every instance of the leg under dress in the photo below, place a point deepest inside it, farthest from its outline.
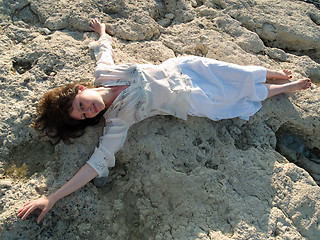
(221, 90)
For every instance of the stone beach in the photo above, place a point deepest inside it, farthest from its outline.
(173, 179)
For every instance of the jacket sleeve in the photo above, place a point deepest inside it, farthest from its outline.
(114, 136)
(103, 51)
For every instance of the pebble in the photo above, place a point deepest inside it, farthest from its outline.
(32, 181)
(194, 3)
(2, 165)
(169, 15)
(41, 188)
(5, 183)
(165, 22)
(118, 177)
(84, 227)
(45, 31)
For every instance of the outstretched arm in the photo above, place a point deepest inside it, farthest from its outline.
(102, 48)
(81, 178)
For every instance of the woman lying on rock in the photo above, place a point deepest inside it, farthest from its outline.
(126, 94)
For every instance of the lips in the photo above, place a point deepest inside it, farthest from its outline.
(95, 108)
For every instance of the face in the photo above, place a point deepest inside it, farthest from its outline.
(86, 104)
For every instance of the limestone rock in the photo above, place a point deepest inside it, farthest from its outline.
(173, 179)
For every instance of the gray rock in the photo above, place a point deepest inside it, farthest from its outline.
(57, 22)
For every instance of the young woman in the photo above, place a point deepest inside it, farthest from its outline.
(126, 94)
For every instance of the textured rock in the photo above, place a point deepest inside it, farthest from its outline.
(173, 179)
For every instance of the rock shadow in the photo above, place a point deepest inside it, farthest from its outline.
(27, 15)
(314, 2)
(22, 65)
(292, 146)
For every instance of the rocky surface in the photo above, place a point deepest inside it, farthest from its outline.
(174, 179)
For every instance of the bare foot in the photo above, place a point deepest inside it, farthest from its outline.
(300, 84)
(284, 74)
(98, 27)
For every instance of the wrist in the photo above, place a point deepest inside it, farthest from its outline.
(53, 197)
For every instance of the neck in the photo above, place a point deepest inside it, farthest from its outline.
(109, 94)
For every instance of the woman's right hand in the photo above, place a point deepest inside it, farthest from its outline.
(45, 204)
(82, 177)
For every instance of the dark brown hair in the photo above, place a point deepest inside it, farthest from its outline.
(53, 111)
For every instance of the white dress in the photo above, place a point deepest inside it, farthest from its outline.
(221, 90)
(179, 86)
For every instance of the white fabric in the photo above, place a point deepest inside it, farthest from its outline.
(221, 90)
(179, 86)
(153, 90)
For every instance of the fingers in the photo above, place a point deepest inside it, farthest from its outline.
(21, 213)
(24, 206)
(94, 21)
(24, 209)
(44, 204)
(43, 213)
(29, 210)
